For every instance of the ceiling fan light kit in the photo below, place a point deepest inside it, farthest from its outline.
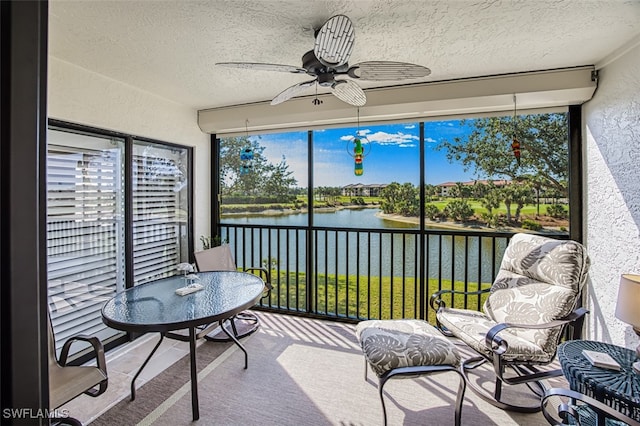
(329, 59)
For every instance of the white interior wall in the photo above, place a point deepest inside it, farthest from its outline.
(84, 97)
(612, 195)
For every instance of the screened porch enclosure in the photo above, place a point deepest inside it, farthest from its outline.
(434, 209)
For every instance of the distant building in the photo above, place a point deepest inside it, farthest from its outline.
(445, 188)
(362, 190)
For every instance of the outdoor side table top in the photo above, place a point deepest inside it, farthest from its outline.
(618, 389)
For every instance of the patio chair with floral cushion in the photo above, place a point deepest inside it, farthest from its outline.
(535, 295)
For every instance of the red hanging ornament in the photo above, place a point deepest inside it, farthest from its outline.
(515, 147)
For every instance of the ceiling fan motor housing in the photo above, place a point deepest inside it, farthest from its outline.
(316, 68)
(326, 79)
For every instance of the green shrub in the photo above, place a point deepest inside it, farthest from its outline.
(491, 219)
(557, 211)
(458, 210)
(531, 224)
(259, 199)
(432, 212)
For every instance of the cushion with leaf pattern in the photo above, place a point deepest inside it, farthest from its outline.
(389, 344)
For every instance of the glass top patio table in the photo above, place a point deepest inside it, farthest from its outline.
(155, 307)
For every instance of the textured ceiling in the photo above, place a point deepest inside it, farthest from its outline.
(169, 48)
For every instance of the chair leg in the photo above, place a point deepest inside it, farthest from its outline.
(233, 327)
(462, 386)
(494, 398)
(249, 325)
(383, 380)
(366, 367)
(497, 393)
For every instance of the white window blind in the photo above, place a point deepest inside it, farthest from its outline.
(159, 211)
(85, 232)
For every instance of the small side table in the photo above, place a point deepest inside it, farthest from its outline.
(618, 389)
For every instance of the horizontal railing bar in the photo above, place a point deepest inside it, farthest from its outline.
(471, 233)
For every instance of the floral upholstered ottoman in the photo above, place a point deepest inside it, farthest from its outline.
(408, 348)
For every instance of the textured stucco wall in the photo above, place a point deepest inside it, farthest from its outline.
(83, 97)
(612, 173)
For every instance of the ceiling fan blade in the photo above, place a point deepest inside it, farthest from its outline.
(349, 92)
(334, 41)
(387, 70)
(292, 91)
(263, 67)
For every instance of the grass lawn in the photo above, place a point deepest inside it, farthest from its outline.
(379, 299)
(528, 209)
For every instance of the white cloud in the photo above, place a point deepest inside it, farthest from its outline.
(398, 138)
(411, 126)
(406, 145)
(430, 140)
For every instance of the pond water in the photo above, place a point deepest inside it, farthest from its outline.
(343, 218)
(381, 253)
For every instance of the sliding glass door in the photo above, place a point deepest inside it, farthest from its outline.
(85, 229)
(160, 210)
(118, 215)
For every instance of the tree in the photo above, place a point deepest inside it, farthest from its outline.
(400, 199)
(479, 189)
(487, 150)
(522, 194)
(536, 184)
(458, 210)
(432, 212)
(430, 191)
(507, 198)
(231, 180)
(279, 180)
(491, 199)
(263, 177)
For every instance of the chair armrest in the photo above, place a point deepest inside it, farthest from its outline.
(499, 345)
(97, 348)
(266, 279)
(436, 301)
(565, 410)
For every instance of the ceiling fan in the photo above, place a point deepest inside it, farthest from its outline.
(328, 61)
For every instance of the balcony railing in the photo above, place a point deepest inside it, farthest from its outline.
(353, 274)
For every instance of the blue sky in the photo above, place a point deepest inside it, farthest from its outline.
(392, 154)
